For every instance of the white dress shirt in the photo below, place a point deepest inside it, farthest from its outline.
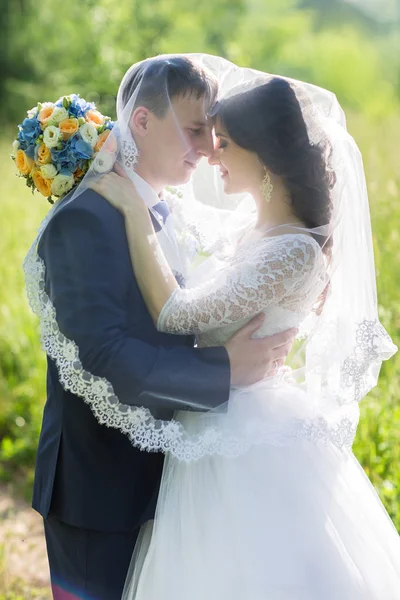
(165, 235)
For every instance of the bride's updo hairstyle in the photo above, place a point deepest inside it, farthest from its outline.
(268, 120)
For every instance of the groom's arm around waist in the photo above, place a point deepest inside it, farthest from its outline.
(87, 277)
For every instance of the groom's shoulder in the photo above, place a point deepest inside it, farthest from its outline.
(91, 205)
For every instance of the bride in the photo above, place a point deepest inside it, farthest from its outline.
(263, 498)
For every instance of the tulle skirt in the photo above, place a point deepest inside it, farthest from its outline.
(292, 521)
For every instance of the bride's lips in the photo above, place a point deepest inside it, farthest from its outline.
(223, 172)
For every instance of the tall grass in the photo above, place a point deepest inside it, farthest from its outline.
(377, 443)
(22, 364)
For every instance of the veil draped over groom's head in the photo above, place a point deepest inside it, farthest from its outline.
(344, 342)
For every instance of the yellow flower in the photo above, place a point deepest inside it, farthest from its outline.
(41, 183)
(45, 115)
(69, 127)
(78, 174)
(94, 117)
(101, 139)
(44, 155)
(23, 163)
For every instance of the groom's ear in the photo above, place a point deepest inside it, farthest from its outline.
(140, 121)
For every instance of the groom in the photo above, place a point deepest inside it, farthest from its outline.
(92, 487)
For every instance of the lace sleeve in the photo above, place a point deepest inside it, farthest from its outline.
(264, 273)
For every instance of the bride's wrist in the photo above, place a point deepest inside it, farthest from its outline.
(138, 212)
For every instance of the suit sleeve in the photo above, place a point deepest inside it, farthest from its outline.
(87, 281)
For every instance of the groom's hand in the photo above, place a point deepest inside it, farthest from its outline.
(253, 359)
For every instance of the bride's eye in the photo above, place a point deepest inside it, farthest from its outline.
(196, 132)
(222, 145)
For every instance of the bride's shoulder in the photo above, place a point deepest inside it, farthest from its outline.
(289, 238)
(299, 249)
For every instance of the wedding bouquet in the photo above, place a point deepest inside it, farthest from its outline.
(57, 143)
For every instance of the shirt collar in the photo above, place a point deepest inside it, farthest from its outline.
(145, 190)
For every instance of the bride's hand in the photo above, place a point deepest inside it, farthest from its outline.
(118, 191)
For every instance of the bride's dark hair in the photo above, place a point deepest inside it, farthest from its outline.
(268, 120)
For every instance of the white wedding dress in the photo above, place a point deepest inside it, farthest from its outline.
(290, 515)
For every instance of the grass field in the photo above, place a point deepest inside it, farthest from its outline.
(22, 364)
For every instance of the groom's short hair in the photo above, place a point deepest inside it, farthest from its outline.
(159, 79)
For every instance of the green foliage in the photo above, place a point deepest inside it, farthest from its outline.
(86, 46)
(378, 439)
(21, 365)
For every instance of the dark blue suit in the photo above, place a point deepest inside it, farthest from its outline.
(93, 488)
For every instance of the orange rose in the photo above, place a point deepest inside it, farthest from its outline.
(78, 174)
(42, 184)
(69, 127)
(23, 163)
(101, 139)
(44, 115)
(44, 155)
(94, 117)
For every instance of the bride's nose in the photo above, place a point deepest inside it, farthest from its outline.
(213, 159)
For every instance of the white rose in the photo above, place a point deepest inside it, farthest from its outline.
(33, 112)
(59, 114)
(104, 162)
(15, 147)
(89, 134)
(51, 136)
(61, 184)
(48, 171)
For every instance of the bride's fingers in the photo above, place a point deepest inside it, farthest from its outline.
(101, 188)
(119, 170)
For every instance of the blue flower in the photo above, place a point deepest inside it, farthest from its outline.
(81, 149)
(31, 150)
(73, 154)
(64, 158)
(109, 125)
(29, 132)
(79, 106)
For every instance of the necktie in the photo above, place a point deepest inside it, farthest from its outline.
(162, 209)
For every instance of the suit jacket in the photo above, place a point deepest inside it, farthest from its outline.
(89, 475)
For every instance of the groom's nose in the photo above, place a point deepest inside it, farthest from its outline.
(213, 159)
(205, 145)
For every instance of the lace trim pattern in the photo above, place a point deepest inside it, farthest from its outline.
(143, 430)
(370, 337)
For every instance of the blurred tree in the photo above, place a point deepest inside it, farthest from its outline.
(334, 13)
(85, 46)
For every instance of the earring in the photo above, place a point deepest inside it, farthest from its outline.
(267, 187)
